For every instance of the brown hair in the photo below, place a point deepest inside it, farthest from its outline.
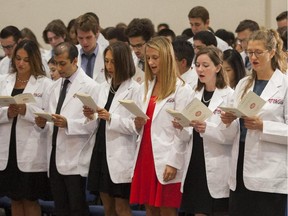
(58, 28)
(123, 62)
(86, 23)
(199, 12)
(34, 56)
(216, 57)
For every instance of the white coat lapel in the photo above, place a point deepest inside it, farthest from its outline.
(10, 82)
(99, 64)
(169, 99)
(32, 85)
(75, 87)
(216, 99)
(272, 86)
(121, 93)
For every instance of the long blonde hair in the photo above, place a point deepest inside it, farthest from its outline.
(272, 41)
(168, 72)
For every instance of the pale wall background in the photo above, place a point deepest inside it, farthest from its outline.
(35, 14)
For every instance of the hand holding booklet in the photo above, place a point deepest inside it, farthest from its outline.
(87, 100)
(249, 106)
(195, 110)
(17, 99)
(133, 108)
(45, 115)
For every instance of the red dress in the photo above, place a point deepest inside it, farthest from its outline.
(145, 187)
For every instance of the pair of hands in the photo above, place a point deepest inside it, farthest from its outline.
(102, 113)
(199, 126)
(16, 109)
(251, 123)
(59, 121)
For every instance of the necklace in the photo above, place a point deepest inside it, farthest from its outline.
(206, 101)
(22, 81)
(112, 90)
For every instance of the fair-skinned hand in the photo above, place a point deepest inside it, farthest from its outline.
(59, 121)
(88, 112)
(40, 122)
(103, 114)
(139, 122)
(253, 123)
(177, 125)
(199, 126)
(227, 118)
(169, 173)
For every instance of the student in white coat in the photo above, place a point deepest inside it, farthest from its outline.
(23, 161)
(115, 145)
(205, 182)
(184, 55)
(90, 52)
(160, 155)
(9, 37)
(258, 174)
(54, 33)
(66, 135)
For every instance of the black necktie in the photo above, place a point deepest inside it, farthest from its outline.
(58, 108)
(247, 63)
(141, 64)
(89, 67)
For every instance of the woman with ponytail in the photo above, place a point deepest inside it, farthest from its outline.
(258, 173)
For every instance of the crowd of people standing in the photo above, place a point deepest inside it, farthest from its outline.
(57, 148)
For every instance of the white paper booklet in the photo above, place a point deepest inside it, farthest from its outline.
(17, 99)
(87, 100)
(45, 115)
(133, 108)
(195, 110)
(249, 106)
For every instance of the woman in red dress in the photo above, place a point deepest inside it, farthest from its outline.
(160, 154)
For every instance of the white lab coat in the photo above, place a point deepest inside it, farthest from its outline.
(72, 139)
(167, 147)
(30, 149)
(120, 132)
(217, 144)
(5, 65)
(98, 71)
(265, 157)
(190, 77)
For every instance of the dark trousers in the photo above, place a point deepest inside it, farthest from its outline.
(68, 192)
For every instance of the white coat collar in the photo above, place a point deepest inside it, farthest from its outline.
(121, 93)
(217, 98)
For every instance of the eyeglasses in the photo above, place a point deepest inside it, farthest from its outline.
(138, 46)
(241, 41)
(257, 53)
(197, 47)
(8, 47)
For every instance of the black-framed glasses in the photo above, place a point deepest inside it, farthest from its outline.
(138, 46)
(257, 53)
(8, 47)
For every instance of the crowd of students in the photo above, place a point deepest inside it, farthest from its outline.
(57, 148)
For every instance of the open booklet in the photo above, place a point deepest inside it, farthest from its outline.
(45, 115)
(17, 99)
(87, 100)
(249, 106)
(133, 108)
(195, 110)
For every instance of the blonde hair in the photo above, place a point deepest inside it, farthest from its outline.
(272, 41)
(168, 72)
